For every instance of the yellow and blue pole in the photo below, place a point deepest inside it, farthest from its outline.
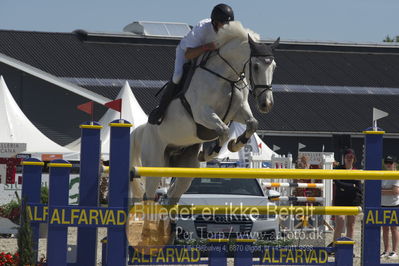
(217, 253)
(344, 251)
(31, 189)
(118, 188)
(90, 150)
(372, 196)
(57, 239)
(243, 253)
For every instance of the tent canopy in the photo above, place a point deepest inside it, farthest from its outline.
(131, 111)
(17, 128)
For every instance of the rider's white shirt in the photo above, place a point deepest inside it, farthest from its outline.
(201, 34)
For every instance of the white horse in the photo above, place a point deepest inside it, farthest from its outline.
(217, 94)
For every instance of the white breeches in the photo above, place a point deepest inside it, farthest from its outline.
(179, 62)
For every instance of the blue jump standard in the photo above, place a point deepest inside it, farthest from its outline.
(88, 216)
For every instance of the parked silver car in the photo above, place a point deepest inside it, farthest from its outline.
(226, 191)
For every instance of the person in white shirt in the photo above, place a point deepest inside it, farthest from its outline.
(390, 198)
(198, 41)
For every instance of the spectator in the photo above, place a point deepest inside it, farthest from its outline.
(347, 193)
(303, 162)
(390, 198)
(104, 176)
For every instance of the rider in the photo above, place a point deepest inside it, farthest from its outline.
(198, 41)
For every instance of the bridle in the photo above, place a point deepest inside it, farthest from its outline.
(233, 83)
(240, 75)
(266, 87)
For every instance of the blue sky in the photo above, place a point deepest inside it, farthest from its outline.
(302, 20)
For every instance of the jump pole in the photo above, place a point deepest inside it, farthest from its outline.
(266, 173)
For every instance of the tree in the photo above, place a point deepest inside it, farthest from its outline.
(393, 39)
(25, 243)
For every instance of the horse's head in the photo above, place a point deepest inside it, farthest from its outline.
(261, 69)
(237, 44)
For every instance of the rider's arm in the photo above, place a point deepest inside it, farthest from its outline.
(192, 53)
(393, 191)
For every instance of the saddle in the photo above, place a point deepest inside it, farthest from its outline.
(189, 68)
(178, 92)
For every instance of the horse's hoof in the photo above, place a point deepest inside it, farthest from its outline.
(201, 156)
(230, 146)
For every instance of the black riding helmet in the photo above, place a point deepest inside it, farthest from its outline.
(222, 13)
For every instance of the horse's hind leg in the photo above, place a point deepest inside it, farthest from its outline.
(186, 159)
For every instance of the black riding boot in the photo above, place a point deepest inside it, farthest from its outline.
(156, 116)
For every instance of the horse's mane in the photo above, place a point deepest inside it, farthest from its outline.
(234, 30)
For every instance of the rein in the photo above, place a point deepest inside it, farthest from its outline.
(241, 75)
(233, 83)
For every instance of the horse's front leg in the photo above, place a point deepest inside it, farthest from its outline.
(208, 118)
(245, 116)
(236, 144)
(188, 158)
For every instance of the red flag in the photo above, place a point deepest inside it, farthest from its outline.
(116, 105)
(86, 107)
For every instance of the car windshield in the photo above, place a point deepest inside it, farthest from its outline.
(225, 186)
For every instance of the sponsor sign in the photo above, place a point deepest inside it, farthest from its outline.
(23, 156)
(315, 157)
(8, 149)
(3, 173)
(50, 157)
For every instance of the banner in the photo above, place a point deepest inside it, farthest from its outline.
(9, 149)
(3, 173)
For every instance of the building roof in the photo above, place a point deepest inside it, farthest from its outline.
(319, 87)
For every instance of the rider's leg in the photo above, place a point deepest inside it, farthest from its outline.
(156, 116)
(180, 60)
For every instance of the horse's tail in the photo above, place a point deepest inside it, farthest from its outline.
(137, 185)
